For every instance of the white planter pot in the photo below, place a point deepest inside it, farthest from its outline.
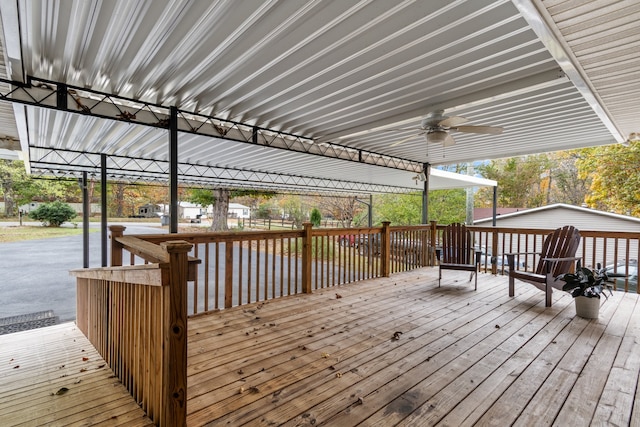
(587, 308)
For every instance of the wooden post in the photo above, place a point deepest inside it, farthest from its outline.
(116, 248)
(385, 249)
(174, 356)
(306, 258)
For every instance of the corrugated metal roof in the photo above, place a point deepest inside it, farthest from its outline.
(604, 36)
(346, 72)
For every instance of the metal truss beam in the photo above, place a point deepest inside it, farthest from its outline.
(70, 164)
(59, 96)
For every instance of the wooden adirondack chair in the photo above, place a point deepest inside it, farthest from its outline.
(457, 252)
(557, 257)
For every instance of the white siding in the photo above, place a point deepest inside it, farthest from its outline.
(583, 219)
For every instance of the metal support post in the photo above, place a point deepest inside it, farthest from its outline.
(85, 220)
(103, 209)
(173, 170)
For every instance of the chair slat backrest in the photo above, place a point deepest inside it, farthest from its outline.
(562, 243)
(457, 245)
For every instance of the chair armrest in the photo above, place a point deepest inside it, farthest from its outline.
(571, 258)
(522, 253)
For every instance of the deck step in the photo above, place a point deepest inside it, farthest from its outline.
(24, 322)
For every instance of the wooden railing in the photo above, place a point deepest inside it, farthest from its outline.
(136, 317)
(244, 267)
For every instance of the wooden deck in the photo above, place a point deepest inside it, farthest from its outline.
(461, 357)
(53, 376)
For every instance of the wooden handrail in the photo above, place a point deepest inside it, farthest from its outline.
(136, 317)
(146, 250)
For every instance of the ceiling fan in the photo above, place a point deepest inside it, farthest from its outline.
(436, 128)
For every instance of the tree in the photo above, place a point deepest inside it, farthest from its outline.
(53, 214)
(344, 209)
(219, 199)
(445, 206)
(523, 182)
(18, 188)
(615, 182)
(316, 217)
(570, 186)
(399, 209)
(12, 177)
(294, 209)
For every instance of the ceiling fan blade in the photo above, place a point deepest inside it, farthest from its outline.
(414, 128)
(492, 130)
(452, 121)
(409, 138)
(449, 141)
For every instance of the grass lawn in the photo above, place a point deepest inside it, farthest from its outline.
(15, 233)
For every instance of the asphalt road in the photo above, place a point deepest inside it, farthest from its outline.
(34, 274)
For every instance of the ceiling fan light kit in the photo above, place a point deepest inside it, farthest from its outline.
(436, 136)
(437, 128)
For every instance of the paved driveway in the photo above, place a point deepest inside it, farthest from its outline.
(34, 274)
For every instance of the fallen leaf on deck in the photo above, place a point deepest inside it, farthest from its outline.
(338, 296)
(396, 336)
(83, 370)
(16, 367)
(325, 355)
(84, 359)
(62, 391)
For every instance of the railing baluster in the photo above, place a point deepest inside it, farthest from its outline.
(217, 290)
(240, 264)
(206, 276)
(250, 257)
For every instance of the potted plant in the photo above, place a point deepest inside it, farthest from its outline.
(586, 286)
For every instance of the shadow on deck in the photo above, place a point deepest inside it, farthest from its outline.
(388, 351)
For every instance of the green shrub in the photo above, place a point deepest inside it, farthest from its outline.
(53, 214)
(316, 217)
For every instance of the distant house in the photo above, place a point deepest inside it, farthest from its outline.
(150, 211)
(482, 213)
(560, 214)
(236, 210)
(186, 210)
(584, 219)
(191, 210)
